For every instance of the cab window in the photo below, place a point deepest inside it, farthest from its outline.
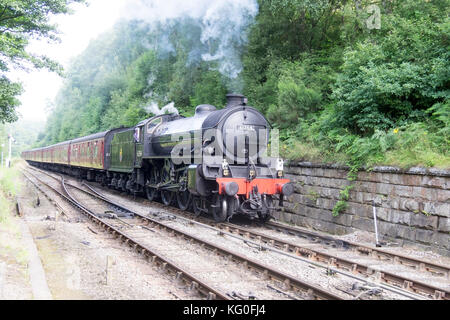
(138, 134)
(153, 124)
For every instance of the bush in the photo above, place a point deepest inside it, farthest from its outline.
(395, 75)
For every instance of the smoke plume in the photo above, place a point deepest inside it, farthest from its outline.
(154, 109)
(223, 26)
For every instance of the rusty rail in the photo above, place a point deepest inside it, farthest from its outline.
(165, 264)
(389, 278)
(332, 260)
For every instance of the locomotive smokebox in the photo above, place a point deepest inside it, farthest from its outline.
(236, 100)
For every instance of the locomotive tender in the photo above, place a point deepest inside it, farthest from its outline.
(214, 161)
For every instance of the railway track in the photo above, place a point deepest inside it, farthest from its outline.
(302, 289)
(170, 267)
(334, 261)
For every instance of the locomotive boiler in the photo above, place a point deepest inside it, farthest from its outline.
(214, 162)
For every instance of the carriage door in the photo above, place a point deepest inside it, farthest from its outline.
(139, 139)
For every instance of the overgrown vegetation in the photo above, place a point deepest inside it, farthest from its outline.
(338, 90)
(9, 187)
(358, 96)
(21, 21)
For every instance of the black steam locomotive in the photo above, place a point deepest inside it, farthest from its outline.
(214, 162)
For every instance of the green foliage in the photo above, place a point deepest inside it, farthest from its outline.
(295, 100)
(119, 74)
(397, 73)
(338, 91)
(8, 181)
(19, 21)
(8, 99)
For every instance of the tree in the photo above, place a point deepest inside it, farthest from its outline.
(20, 21)
(396, 74)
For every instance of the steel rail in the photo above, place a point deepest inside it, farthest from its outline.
(421, 265)
(268, 272)
(312, 292)
(389, 278)
(378, 253)
(53, 202)
(165, 263)
(333, 260)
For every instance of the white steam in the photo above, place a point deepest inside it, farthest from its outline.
(225, 21)
(154, 109)
(223, 24)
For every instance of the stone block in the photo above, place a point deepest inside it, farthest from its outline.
(383, 214)
(407, 204)
(424, 236)
(422, 221)
(443, 196)
(441, 239)
(400, 217)
(329, 193)
(286, 217)
(294, 170)
(405, 232)
(363, 186)
(436, 182)
(392, 178)
(365, 176)
(428, 194)
(360, 210)
(411, 180)
(276, 214)
(403, 191)
(440, 209)
(313, 212)
(326, 204)
(387, 229)
(344, 219)
(384, 189)
(325, 226)
(319, 172)
(363, 224)
(444, 224)
(394, 203)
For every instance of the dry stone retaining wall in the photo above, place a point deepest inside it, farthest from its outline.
(413, 206)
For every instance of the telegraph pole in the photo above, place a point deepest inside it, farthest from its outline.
(10, 138)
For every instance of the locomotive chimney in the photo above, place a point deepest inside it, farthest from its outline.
(236, 100)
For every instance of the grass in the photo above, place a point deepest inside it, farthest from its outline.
(404, 147)
(10, 235)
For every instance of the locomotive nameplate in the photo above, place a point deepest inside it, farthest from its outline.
(245, 128)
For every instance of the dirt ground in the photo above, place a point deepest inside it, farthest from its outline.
(79, 260)
(76, 257)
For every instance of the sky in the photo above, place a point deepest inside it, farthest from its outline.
(76, 30)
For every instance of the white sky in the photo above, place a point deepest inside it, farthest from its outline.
(76, 30)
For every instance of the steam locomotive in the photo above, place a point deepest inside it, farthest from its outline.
(214, 162)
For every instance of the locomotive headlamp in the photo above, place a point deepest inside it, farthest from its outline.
(280, 167)
(226, 168)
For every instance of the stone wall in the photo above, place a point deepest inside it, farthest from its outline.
(413, 206)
